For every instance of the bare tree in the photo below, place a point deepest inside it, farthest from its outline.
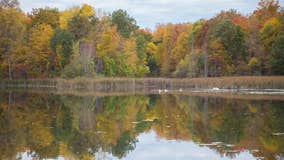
(9, 3)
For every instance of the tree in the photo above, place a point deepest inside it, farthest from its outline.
(79, 26)
(151, 59)
(87, 11)
(6, 4)
(182, 68)
(43, 43)
(109, 43)
(172, 45)
(267, 9)
(181, 49)
(232, 37)
(12, 29)
(66, 16)
(272, 37)
(40, 57)
(141, 47)
(202, 41)
(74, 68)
(82, 22)
(45, 16)
(141, 43)
(108, 48)
(254, 65)
(132, 56)
(62, 45)
(125, 24)
(269, 31)
(218, 59)
(277, 60)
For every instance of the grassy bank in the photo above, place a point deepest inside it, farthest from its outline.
(147, 84)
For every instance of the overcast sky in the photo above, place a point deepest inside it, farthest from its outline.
(150, 12)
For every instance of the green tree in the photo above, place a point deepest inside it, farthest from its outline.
(62, 45)
(74, 68)
(125, 24)
(182, 68)
(232, 37)
(141, 47)
(79, 26)
(272, 35)
(277, 60)
(124, 145)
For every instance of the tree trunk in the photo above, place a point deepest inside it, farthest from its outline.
(192, 74)
(205, 52)
(7, 53)
(205, 60)
(9, 66)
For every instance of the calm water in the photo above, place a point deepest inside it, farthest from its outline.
(143, 127)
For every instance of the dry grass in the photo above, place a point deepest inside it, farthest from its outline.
(148, 84)
(249, 82)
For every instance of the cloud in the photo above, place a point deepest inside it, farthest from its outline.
(149, 12)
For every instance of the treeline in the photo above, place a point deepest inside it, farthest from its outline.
(48, 43)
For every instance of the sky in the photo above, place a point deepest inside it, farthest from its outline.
(151, 147)
(150, 12)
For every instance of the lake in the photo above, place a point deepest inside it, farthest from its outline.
(42, 125)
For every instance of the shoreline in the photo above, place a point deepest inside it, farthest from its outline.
(148, 84)
(223, 95)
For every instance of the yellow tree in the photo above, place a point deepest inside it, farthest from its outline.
(218, 59)
(12, 30)
(181, 49)
(109, 42)
(108, 47)
(66, 15)
(172, 45)
(130, 49)
(40, 54)
(87, 11)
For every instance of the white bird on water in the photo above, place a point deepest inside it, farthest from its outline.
(161, 91)
(215, 89)
(180, 90)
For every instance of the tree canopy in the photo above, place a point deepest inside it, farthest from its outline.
(48, 43)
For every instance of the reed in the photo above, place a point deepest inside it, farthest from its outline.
(148, 84)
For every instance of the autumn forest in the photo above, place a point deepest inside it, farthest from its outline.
(79, 41)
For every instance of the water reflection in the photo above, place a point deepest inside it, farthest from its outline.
(39, 126)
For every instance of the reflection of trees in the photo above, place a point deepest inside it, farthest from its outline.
(235, 123)
(87, 116)
(172, 118)
(9, 132)
(25, 127)
(79, 127)
(272, 123)
(124, 145)
(230, 126)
